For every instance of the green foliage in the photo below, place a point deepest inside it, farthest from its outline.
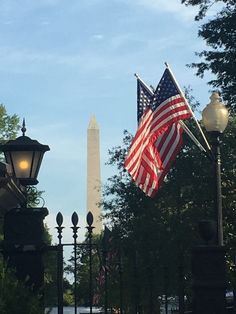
(82, 264)
(50, 271)
(68, 294)
(158, 234)
(9, 125)
(219, 35)
(204, 5)
(15, 298)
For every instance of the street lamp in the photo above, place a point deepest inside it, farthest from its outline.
(215, 119)
(23, 228)
(24, 155)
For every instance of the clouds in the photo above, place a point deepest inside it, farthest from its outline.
(26, 8)
(156, 6)
(166, 6)
(62, 60)
(18, 60)
(97, 37)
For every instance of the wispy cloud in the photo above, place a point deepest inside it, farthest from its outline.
(25, 60)
(116, 53)
(171, 6)
(97, 37)
(23, 9)
(45, 23)
(7, 22)
(29, 61)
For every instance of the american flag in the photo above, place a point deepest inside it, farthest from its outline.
(144, 98)
(159, 135)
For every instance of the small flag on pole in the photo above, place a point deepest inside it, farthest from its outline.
(159, 136)
(144, 98)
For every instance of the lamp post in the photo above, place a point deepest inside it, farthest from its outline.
(208, 260)
(23, 226)
(215, 119)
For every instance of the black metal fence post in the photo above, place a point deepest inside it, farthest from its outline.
(74, 220)
(120, 265)
(59, 220)
(105, 240)
(105, 282)
(234, 285)
(181, 287)
(136, 284)
(90, 235)
(150, 275)
(166, 284)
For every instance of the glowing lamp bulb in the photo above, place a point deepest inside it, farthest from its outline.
(24, 164)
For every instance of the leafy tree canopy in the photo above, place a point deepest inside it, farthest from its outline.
(166, 227)
(15, 298)
(9, 125)
(219, 34)
(204, 5)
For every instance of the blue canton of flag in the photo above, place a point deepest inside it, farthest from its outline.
(165, 89)
(144, 99)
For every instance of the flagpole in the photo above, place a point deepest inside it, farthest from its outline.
(146, 86)
(193, 138)
(186, 101)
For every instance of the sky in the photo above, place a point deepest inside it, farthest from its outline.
(63, 61)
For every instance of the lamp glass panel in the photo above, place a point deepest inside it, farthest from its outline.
(215, 120)
(215, 116)
(37, 159)
(8, 161)
(21, 162)
(24, 164)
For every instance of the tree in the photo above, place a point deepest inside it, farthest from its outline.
(220, 35)
(161, 231)
(83, 271)
(15, 298)
(9, 125)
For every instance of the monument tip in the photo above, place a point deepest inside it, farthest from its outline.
(93, 123)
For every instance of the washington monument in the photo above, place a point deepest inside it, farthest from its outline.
(93, 174)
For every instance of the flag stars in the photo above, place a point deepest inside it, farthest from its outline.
(144, 99)
(165, 89)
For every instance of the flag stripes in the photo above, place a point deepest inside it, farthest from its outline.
(168, 145)
(159, 135)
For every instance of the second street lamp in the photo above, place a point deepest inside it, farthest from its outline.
(215, 119)
(208, 261)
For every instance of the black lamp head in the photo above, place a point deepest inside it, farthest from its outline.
(24, 155)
